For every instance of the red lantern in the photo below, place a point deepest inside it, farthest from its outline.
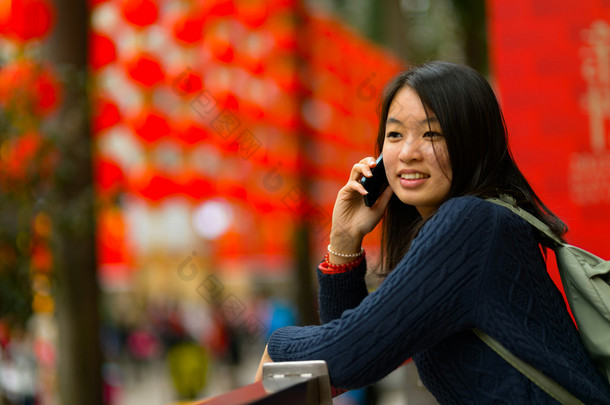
(108, 175)
(195, 186)
(252, 13)
(188, 28)
(18, 156)
(48, 90)
(152, 185)
(187, 83)
(228, 100)
(29, 88)
(218, 40)
(252, 110)
(222, 8)
(140, 13)
(222, 50)
(283, 70)
(95, 3)
(5, 17)
(145, 70)
(105, 115)
(150, 125)
(41, 258)
(284, 112)
(29, 19)
(191, 133)
(284, 31)
(253, 56)
(102, 52)
(111, 240)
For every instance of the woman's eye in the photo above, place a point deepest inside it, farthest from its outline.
(393, 134)
(432, 134)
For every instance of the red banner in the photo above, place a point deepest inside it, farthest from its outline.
(551, 67)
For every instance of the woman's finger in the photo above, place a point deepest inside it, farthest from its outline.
(356, 186)
(359, 170)
(368, 160)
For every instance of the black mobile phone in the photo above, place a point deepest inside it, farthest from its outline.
(375, 184)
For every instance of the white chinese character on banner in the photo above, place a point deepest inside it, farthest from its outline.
(589, 171)
(596, 72)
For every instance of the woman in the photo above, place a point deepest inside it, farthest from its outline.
(455, 261)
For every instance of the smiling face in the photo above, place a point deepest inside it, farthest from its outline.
(415, 154)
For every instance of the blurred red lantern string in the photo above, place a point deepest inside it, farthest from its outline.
(281, 4)
(284, 71)
(228, 100)
(109, 176)
(218, 39)
(221, 49)
(191, 133)
(253, 65)
(222, 8)
(29, 88)
(5, 17)
(159, 187)
(95, 3)
(187, 83)
(24, 20)
(18, 156)
(284, 112)
(150, 125)
(105, 114)
(151, 184)
(140, 13)
(252, 110)
(252, 13)
(252, 57)
(102, 52)
(232, 189)
(111, 241)
(196, 186)
(41, 258)
(188, 27)
(145, 69)
(284, 31)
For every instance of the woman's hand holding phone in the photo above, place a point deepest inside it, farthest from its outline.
(352, 219)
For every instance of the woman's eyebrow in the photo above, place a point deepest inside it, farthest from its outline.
(429, 120)
(392, 120)
(424, 122)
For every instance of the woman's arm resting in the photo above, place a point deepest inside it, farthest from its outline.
(265, 359)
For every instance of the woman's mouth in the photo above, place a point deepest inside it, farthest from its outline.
(413, 179)
(414, 176)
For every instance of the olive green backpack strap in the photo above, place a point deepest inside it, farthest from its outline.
(545, 383)
(508, 202)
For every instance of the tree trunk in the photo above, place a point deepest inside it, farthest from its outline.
(79, 354)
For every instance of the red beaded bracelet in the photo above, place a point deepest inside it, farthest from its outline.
(327, 267)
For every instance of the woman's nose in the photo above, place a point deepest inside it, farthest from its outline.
(410, 150)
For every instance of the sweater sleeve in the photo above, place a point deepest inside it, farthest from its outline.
(341, 291)
(430, 295)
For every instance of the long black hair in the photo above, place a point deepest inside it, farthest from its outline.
(475, 133)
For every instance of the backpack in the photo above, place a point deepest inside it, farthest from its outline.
(586, 281)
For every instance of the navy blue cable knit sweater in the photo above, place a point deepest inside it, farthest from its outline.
(474, 264)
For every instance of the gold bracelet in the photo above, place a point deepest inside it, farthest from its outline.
(346, 255)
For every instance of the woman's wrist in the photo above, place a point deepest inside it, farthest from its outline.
(327, 267)
(344, 241)
(344, 248)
